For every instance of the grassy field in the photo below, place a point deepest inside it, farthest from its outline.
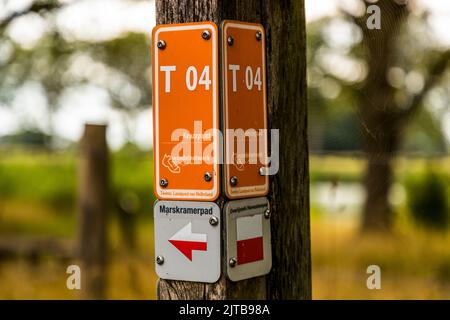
(37, 196)
(351, 169)
(414, 263)
(37, 199)
(130, 274)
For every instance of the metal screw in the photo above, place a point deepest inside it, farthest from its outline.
(213, 221)
(207, 176)
(262, 171)
(232, 262)
(160, 260)
(206, 34)
(230, 40)
(258, 35)
(234, 180)
(267, 213)
(164, 183)
(161, 44)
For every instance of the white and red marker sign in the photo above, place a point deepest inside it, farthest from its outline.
(248, 238)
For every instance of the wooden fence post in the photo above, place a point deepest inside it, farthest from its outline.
(93, 211)
(284, 22)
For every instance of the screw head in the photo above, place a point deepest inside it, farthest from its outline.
(262, 171)
(267, 214)
(164, 183)
(258, 35)
(234, 181)
(230, 40)
(207, 176)
(232, 262)
(213, 221)
(161, 44)
(206, 34)
(160, 260)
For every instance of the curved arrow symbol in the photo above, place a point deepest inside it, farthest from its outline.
(186, 241)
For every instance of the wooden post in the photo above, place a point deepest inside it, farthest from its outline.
(93, 211)
(284, 22)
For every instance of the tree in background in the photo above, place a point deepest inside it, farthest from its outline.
(386, 104)
(57, 65)
(381, 79)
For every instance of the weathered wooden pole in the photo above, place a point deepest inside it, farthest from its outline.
(284, 21)
(93, 211)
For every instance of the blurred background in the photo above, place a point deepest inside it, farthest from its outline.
(379, 133)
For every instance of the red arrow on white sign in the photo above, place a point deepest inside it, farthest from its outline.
(186, 241)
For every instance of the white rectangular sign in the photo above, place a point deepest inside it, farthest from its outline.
(187, 240)
(248, 246)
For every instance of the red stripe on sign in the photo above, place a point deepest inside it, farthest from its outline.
(250, 250)
(186, 247)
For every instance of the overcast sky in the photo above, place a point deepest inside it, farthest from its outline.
(104, 19)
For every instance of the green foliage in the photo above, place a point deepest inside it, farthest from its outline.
(427, 196)
(344, 134)
(334, 91)
(39, 177)
(51, 179)
(31, 138)
(132, 178)
(425, 135)
(129, 56)
(120, 66)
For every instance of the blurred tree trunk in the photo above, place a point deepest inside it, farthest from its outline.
(284, 22)
(380, 119)
(384, 118)
(380, 144)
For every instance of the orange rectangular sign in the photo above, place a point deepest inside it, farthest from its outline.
(245, 108)
(186, 111)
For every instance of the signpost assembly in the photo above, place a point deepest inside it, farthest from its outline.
(252, 92)
(183, 63)
(186, 154)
